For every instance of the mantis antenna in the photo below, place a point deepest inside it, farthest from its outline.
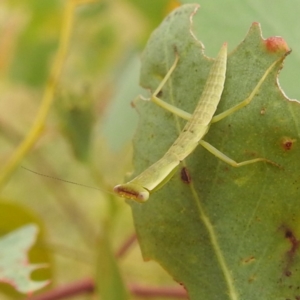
(67, 181)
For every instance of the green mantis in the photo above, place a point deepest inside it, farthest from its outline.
(197, 126)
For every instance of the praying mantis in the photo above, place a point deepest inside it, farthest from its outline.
(198, 124)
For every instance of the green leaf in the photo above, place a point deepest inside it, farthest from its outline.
(14, 267)
(230, 233)
(13, 216)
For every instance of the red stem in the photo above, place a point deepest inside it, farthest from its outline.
(68, 290)
(126, 245)
(166, 292)
(87, 286)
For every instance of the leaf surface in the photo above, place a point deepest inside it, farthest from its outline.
(225, 233)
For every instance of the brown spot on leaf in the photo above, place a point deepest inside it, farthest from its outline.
(293, 240)
(185, 175)
(291, 253)
(276, 44)
(248, 260)
(288, 273)
(287, 143)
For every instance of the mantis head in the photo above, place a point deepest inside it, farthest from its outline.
(132, 191)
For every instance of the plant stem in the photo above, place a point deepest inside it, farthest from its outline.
(87, 286)
(47, 100)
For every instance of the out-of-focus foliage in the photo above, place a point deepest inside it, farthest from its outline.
(36, 25)
(81, 139)
(13, 217)
(14, 266)
(109, 283)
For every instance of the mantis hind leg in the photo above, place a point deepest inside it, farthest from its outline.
(230, 161)
(228, 112)
(245, 102)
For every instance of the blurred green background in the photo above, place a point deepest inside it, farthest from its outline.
(87, 136)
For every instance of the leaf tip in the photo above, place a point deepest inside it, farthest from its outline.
(256, 25)
(194, 11)
(35, 285)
